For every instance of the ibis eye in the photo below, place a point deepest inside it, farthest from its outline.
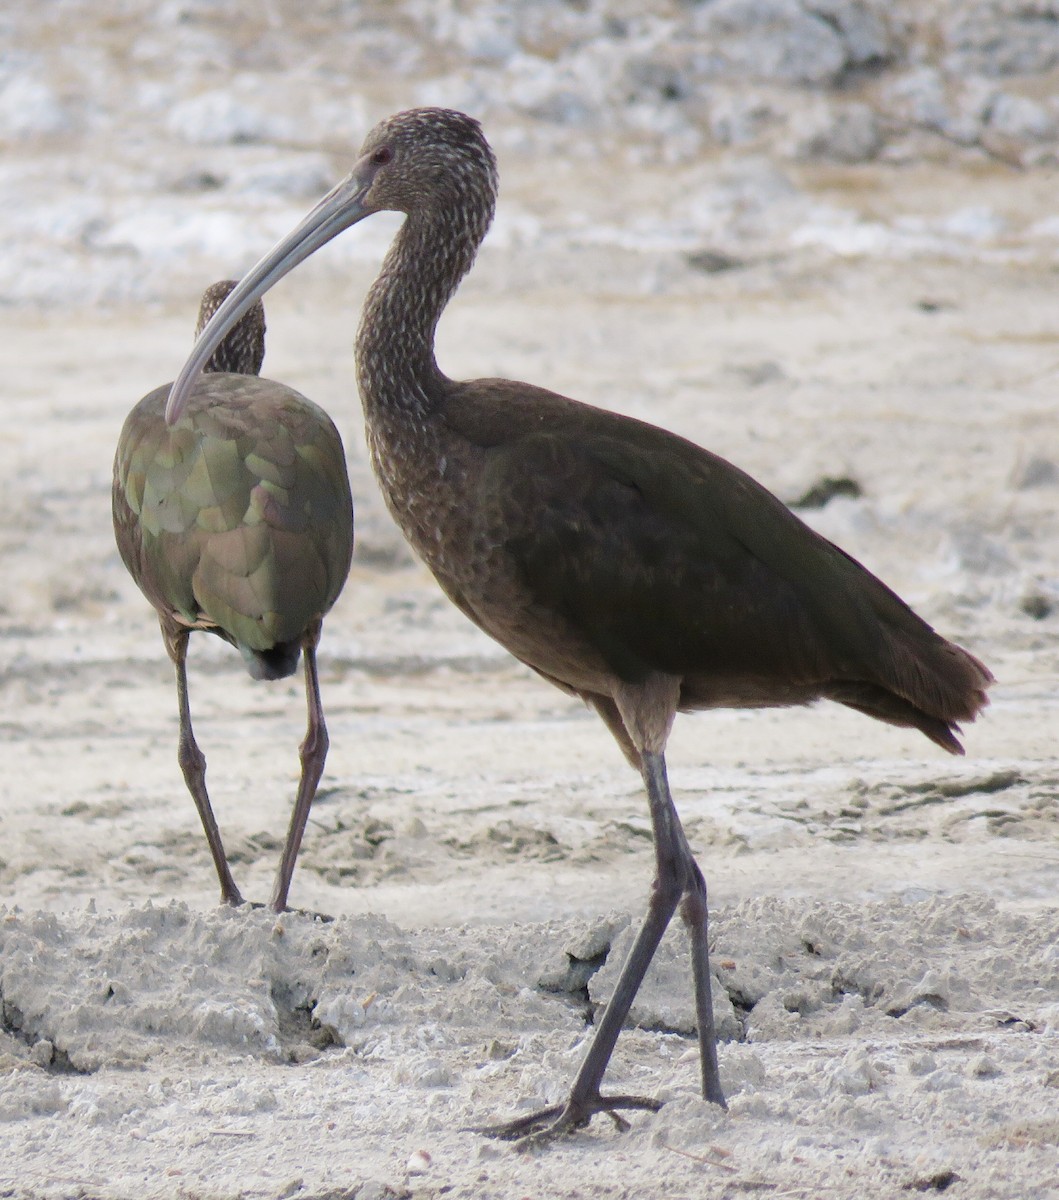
(382, 156)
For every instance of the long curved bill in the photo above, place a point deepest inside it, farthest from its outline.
(342, 207)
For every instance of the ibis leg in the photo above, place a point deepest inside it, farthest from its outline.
(193, 764)
(694, 912)
(608, 710)
(676, 876)
(313, 752)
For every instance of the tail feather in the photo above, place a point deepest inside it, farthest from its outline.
(277, 662)
(874, 701)
(930, 684)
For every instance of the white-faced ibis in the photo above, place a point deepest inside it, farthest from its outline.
(237, 520)
(624, 564)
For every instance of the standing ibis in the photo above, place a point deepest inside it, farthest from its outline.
(622, 563)
(237, 520)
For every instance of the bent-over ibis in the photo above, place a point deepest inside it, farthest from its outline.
(237, 520)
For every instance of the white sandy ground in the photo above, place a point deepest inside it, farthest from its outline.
(884, 917)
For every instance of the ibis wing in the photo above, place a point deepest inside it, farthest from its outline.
(666, 557)
(661, 563)
(148, 469)
(240, 515)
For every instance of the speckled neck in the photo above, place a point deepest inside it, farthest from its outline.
(432, 252)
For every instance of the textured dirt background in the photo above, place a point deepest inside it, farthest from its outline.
(884, 917)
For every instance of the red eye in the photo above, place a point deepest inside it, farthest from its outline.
(382, 156)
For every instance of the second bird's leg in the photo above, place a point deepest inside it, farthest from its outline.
(695, 914)
(193, 764)
(313, 753)
(676, 876)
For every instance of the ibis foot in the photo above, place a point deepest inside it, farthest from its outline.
(311, 913)
(540, 1128)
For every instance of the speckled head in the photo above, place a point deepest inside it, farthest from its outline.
(242, 350)
(433, 164)
(428, 160)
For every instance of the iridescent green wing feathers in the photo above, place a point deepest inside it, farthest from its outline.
(239, 517)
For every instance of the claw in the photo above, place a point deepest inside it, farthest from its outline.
(512, 1131)
(540, 1128)
(620, 1123)
(311, 913)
